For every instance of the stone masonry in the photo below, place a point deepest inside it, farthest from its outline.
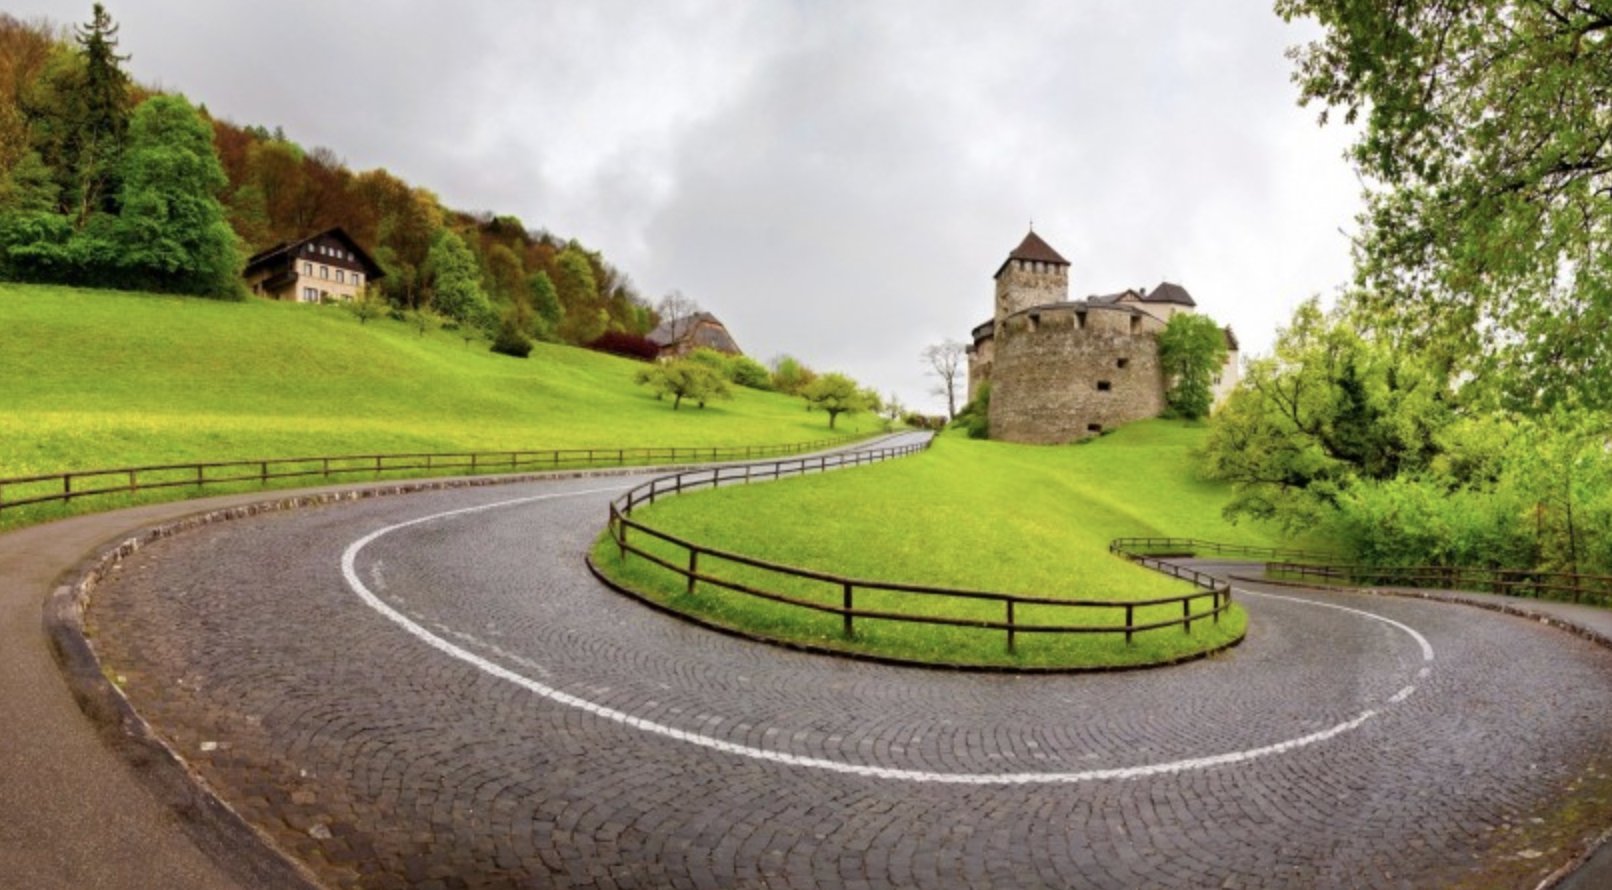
(1061, 370)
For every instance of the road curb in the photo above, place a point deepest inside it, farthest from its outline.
(208, 820)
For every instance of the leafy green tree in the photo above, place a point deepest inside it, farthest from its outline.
(1486, 243)
(367, 305)
(836, 394)
(172, 233)
(424, 320)
(1327, 409)
(1191, 349)
(27, 186)
(546, 311)
(790, 375)
(749, 373)
(585, 316)
(456, 281)
(684, 379)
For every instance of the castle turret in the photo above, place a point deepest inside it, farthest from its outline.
(1032, 275)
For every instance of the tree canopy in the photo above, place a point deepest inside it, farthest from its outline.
(1487, 149)
(836, 394)
(1191, 349)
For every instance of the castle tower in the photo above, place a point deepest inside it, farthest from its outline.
(1032, 275)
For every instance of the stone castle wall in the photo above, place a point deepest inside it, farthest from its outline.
(1067, 372)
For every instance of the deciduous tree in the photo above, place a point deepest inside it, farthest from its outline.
(836, 394)
(171, 233)
(1486, 244)
(1191, 349)
(684, 379)
(945, 361)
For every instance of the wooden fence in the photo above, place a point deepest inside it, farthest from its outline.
(21, 491)
(1595, 589)
(696, 564)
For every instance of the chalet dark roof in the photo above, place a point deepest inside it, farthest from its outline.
(1231, 339)
(288, 251)
(1032, 249)
(1170, 293)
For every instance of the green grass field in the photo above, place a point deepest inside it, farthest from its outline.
(95, 379)
(986, 515)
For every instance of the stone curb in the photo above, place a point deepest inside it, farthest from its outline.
(892, 660)
(1602, 843)
(222, 833)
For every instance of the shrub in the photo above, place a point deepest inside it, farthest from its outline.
(511, 341)
(975, 418)
(747, 372)
(625, 345)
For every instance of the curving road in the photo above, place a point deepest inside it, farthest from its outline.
(432, 691)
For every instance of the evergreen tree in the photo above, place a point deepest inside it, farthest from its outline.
(102, 108)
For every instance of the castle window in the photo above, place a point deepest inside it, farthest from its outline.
(1035, 320)
(1217, 380)
(1104, 386)
(1123, 363)
(1094, 427)
(1080, 320)
(1136, 324)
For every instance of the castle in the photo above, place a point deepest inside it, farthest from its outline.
(1061, 370)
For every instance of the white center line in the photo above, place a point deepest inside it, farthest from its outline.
(349, 560)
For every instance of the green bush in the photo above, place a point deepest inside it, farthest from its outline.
(975, 418)
(511, 341)
(747, 372)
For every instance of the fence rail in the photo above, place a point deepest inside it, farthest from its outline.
(687, 564)
(19, 491)
(1188, 547)
(1596, 589)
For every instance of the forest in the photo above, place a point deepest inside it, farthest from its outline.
(108, 183)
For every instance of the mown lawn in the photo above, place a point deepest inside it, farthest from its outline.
(984, 515)
(92, 379)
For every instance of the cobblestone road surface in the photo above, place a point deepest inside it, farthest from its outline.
(385, 761)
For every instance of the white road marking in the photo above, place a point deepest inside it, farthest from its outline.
(349, 560)
(1427, 648)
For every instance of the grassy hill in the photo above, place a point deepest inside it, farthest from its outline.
(99, 378)
(987, 515)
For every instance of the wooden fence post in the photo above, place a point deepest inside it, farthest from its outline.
(693, 566)
(1010, 626)
(1130, 622)
(848, 607)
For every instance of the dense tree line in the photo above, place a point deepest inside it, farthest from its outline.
(1456, 407)
(105, 183)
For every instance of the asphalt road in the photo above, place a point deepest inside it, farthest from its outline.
(402, 700)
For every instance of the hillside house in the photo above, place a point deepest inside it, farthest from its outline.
(327, 266)
(679, 337)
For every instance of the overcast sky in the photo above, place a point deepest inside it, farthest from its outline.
(837, 180)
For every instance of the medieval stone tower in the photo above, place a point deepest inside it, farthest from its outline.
(1061, 370)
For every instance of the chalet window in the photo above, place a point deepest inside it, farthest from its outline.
(310, 295)
(1123, 363)
(307, 269)
(341, 277)
(1104, 386)
(324, 271)
(358, 278)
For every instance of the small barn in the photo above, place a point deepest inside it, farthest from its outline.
(680, 336)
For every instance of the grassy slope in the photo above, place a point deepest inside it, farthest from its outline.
(1011, 518)
(98, 378)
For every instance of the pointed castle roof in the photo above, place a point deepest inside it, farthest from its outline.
(1032, 249)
